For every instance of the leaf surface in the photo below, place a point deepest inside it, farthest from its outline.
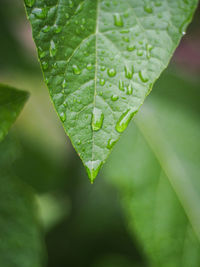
(11, 103)
(100, 59)
(158, 174)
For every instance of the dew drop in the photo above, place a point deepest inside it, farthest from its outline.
(130, 48)
(29, 3)
(52, 49)
(45, 65)
(111, 143)
(129, 72)
(140, 52)
(124, 120)
(89, 66)
(97, 119)
(148, 49)
(71, 3)
(143, 76)
(111, 72)
(64, 84)
(148, 9)
(92, 167)
(101, 82)
(63, 116)
(57, 28)
(76, 70)
(114, 97)
(129, 89)
(40, 13)
(121, 85)
(126, 39)
(102, 68)
(46, 29)
(67, 16)
(118, 21)
(79, 142)
(41, 52)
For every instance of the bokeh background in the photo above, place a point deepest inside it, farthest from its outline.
(143, 209)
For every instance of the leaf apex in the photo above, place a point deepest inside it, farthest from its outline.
(93, 167)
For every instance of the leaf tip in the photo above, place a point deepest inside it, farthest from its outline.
(93, 167)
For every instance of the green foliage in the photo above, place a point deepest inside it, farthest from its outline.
(100, 59)
(158, 176)
(11, 103)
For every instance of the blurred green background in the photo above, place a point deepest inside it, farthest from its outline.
(144, 207)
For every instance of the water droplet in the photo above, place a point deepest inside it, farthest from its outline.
(46, 28)
(125, 39)
(111, 143)
(114, 97)
(89, 66)
(71, 3)
(102, 82)
(67, 16)
(29, 3)
(57, 28)
(41, 52)
(148, 9)
(92, 167)
(143, 76)
(52, 49)
(46, 81)
(129, 89)
(40, 13)
(79, 8)
(118, 21)
(83, 21)
(64, 84)
(140, 52)
(148, 49)
(130, 48)
(97, 119)
(76, 70)
(45, 65)
(124, 120)
(129, 72)
(121, 85)
(79, 142)
(63, 116)
(111, 72)
(82, 27)
(102, 68)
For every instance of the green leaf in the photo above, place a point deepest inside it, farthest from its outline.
(11, 103)
(21, 243)
(157, 174)
(100, 60)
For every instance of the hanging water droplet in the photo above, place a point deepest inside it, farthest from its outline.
(148, 9)
(124, 120)
(76, 70)
(118, 21)
(97, 119)
(92, 167)
(40, 13)
(79, 8)
(129, 72)
(64, 84)
(130, 48)
(29, 3)
(63, 116)
(121, 85)
(89, 66)
(129, 89)
(114, 97)
(46, 28)
(45, 65)
(102, 82)
(111, 143)
(111, 72)
(143, 76)
(52, 49)
(57, 28)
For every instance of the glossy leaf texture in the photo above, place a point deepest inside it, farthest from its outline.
(157, 174)
(11, 103)
(100, 59)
